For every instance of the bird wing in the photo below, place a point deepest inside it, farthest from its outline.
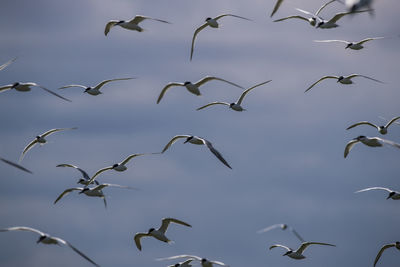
(130, 157)
(306, 244)
(305, 12)
(137, 19)
(109, 25)
(361, 123)
(373, 188)
(323, 6)
(236, 16)
(340, 15)
(62, 241)
(297, 234)
(56, 130)
(166, 88)
(369, 39)
(72, 85)
(85, 175)
(323, 78)
(6, 87)
(388, 142)
(216, 153)
(101, 186)
(15, 165)
(391, 121)
(27, 148)
(173, 140)
(66, 192)
(210, 78)
(98, 172)
(349, 146)
(281, 246)
(137, 238)
(276, 7)
(22, 228)
(180, 256)
(219, 263)
(7, 63)
(359, 75)
(329, 41)
(239, 101)
(269, 228)
(55, 94)
(381, 251)
(213, 103)
(111, 80)
(194, 37)
(166, 221)
(292, 17)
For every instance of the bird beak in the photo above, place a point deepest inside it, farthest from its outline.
(388, 197)
(185, 141)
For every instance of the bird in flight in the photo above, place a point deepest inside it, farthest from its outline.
(298, 254)
(283, 227)
(352, 45)
(15, 165)
(276, 7)
(368, 141)
(342, 79)
(382, 129)
(26, 87)
(203, 261)
(85, 177)
(132, 24)
(96, 89)
(7, 63)
(331, 23)
(396, 245)
(392, 194)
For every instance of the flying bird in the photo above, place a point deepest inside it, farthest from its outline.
(96, 89)
(283, 227)
(15, 165)
(352, 45)
(298, 254)
(158, 233)
(276, 7)
(26, 87)
(197, 141)
(213, 23)
(41, 140)
(392, 194)
(85, 177)
(396, 245)
(342, 79)
(236, 105)
(331, 23)
(382, 129)
(368, 141)
(133, 24)
(7, 63)
(354, 5)
(48, 239)
(204, 262)
(185, 263)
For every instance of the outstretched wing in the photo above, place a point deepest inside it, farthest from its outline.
(373, 188)
(248, 90)
(166, 221)
(22, 228)
(388, 142)
(85, 175)
(55, 94)
(194, 37)
(137, 19)
(369, 39)
(392, 121)
(5, 87)
(75, 249)
(57, 130)
(323, 6)
(66, 192)
(340, 15)
(15, 165)
(27, 148)
(130, 157)
(73, 85)
(7, 63)
(361, 123)
(166, 88)
(109, 25)
(98, 172)
(381, 251)
(306, 244)
(214, 103)
(323, 78)
(210, 78)
(111, 80)
(269, 228)
(137, 238)
(180, 256)
(173, 140)
(231, 15)
(292, 17)
(280, 246)
(329, 41)
(216, 153)
(349, 146)
(101, 186)
(276, 7)
(359, 75)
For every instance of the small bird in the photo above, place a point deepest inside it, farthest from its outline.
(160, 232)
(133, 24)
(396, 245)
(15, 165)
(96, 191)
(312, 20)
(48, 239)
(185, 263)
(41, 140)
(26, 87)
(276, 7)
(352, 45)
(392, 194)
(354, 5)
(298, 254)
(96, 89)
(368, 141)
(85, 179)
(193, 87)
(381, 129)
(235, 106)
(342, 79)
(204, 262)
(283, 227)
(7, 63)
(331, 23)
(213, 23)
(197, 141)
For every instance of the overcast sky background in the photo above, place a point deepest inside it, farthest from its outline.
(286, 150)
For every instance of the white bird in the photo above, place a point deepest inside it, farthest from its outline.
(312, 20)
(392, 194)
(354, 5)
(197, 141)
(331, 23)
(213, 23)
(382, 129)
(193, 87)
(342, 79)
(48, 239)
(160, 232)
(96, 191)
(7, 63)
(41, 140)
(26, 87)
(236, 105)
(352, 45)
(132, 24)
(396, 245)
(283, 227)
(298, 254)
(204, 262)
(85, 179)
(15, 165)
(185, 263)
(96, 89)
(276, 7)
(368, 141)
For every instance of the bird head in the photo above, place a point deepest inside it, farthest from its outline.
(81, 181)
(119, 22)
(320, 24)
(340, 78)
(359, 137)
(151, 230)
(188, 139)
(207, 19)
(177, 265)
(203, 260)
(87, 89)
(40, 239)
(348, 45)
(15, 84)
(84, 190)
(115, 165)
(390, 195)
(186, 83)
(231, 104)
(287, 253)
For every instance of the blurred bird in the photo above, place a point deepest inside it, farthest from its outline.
(352, 45)
(235, 106)
(85, 179)
(368, 141)
(7, 63)
(354, 5)
(381, 129)
(213, 23)
(185, 263)
(41, 140)
(133, 24)
(96, 89)
(48, 239)
(283, 227)
(396, 245)
(158, 233)
(197, 141)
(15, 165)
(26, 87)
(342, 79)
(298, 254)
(331, 23)
(392, 194)
(194, 87)
(204, 262)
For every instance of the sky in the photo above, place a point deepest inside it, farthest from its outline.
(286, 149)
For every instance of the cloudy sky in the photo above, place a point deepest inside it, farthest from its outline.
(286, 150)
